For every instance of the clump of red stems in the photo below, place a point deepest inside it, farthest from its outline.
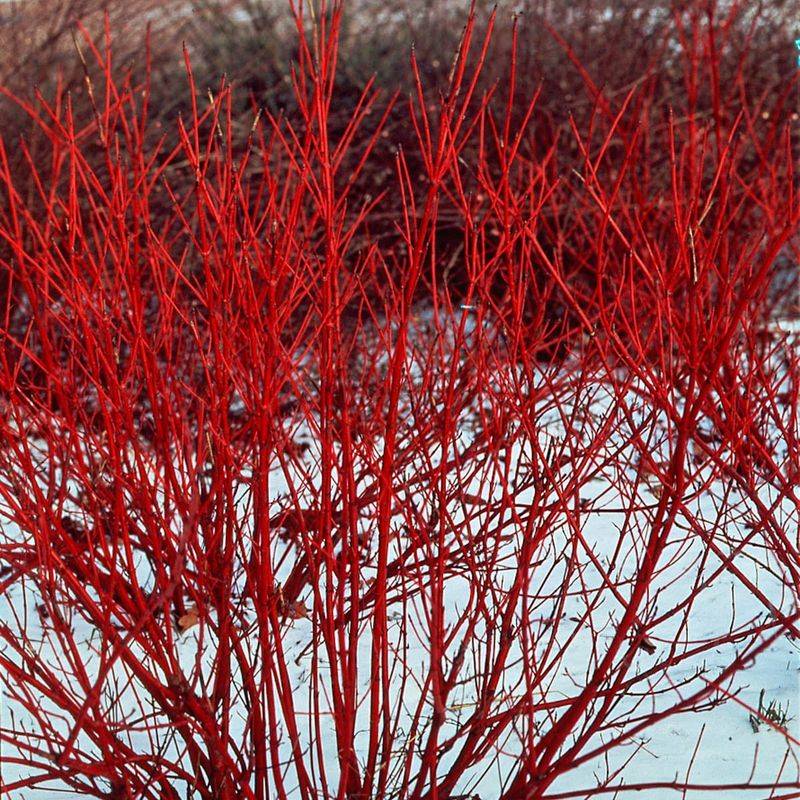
(286, 513)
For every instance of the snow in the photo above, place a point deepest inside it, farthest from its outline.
(715, 745)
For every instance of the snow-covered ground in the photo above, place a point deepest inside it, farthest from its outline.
(718, 744)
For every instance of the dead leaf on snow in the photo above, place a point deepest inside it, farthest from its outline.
(297, 610)
(189, 619)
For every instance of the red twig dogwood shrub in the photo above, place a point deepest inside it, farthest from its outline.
(285, 513)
